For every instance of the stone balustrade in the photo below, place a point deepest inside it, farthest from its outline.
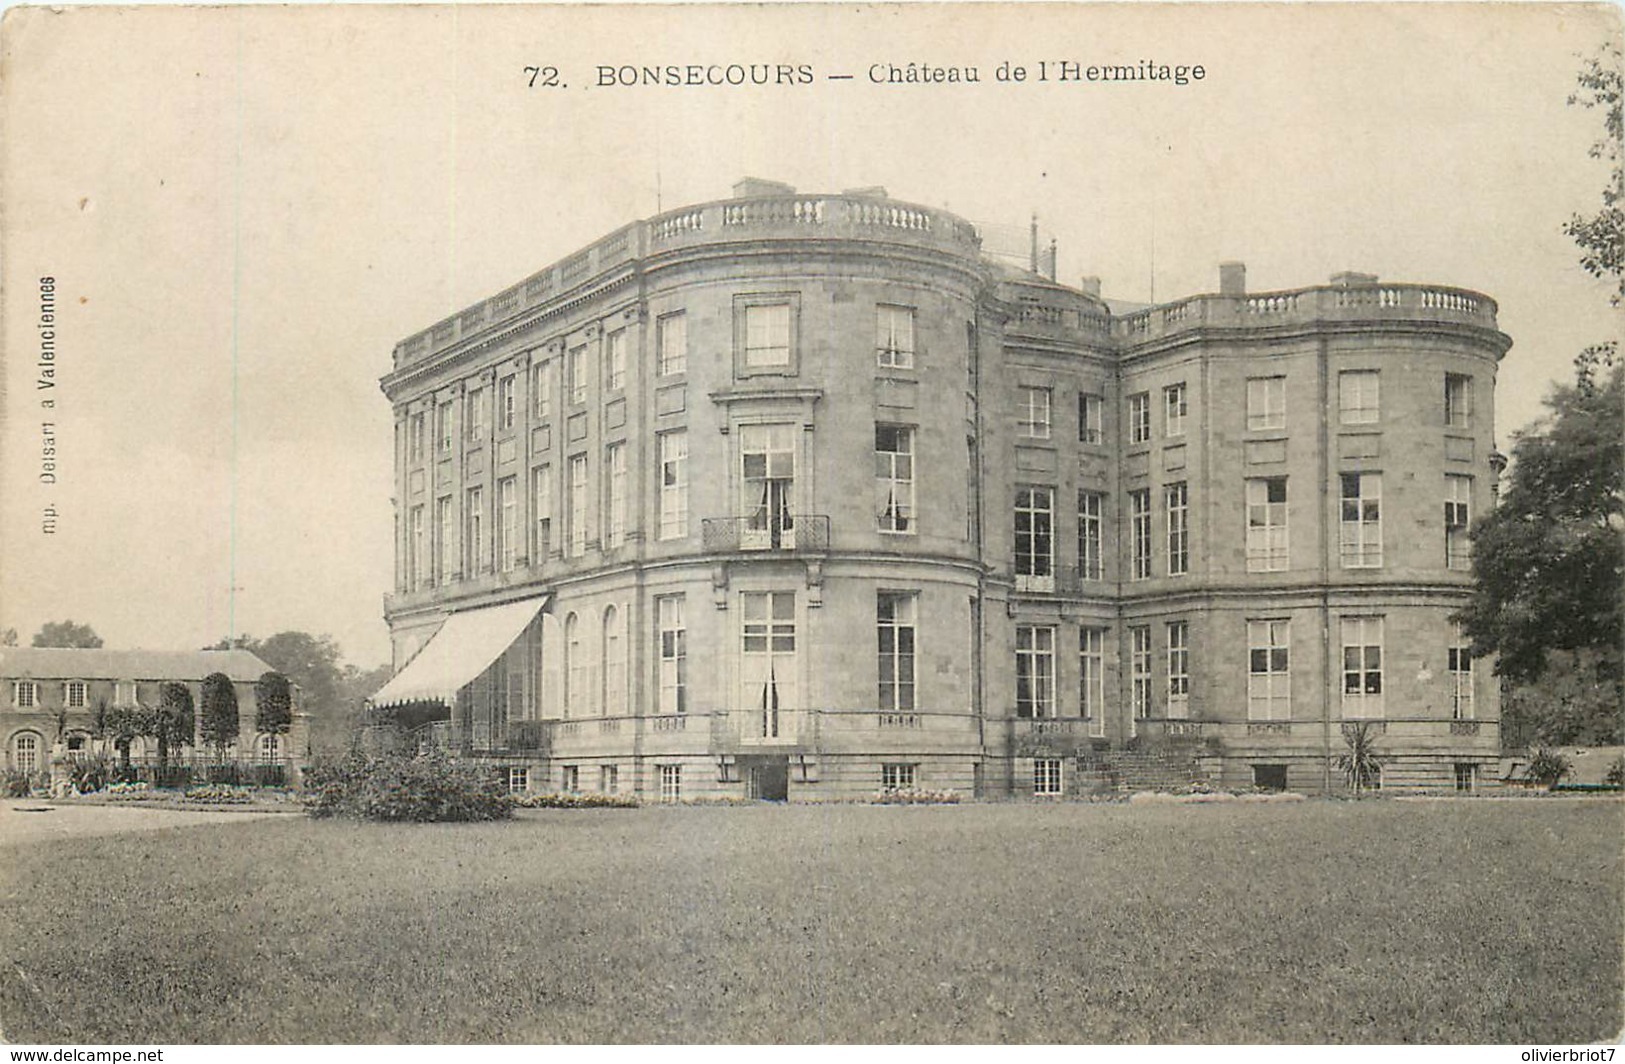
(771, 217)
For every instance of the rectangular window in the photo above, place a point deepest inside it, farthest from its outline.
(1357, 396)
(1266, 525)
(609, 779)
(1177, 497)
(1047, 776)
(671, 783)
(1139, 506)
(615, 519)
(414, 447)
(615, 361)
(444, 516)
(1035, 671)
(507, 396)
(674, 485)
(768, 479)
(1458, 401)
(443, 430)
(73, 694)
(571, 783)
(1034, 416)
(1266, 403)
(673, 335)
(1090, 563)
(474, 415)
(507, 522)
(1139, 418)
(768, 664)
(1269, 679)
(25, 693)
(541, 389)
(1460, 661)
(894, 619)
(1466, 776)
(1089, 424)
(541, 494)
(767, 335)
(673, 637)
(1458, 500)
(1035, 539)
(894, 478)
(417, 556)
(1362, 667)
(894, 336)
(518, 779)
(473, 531)
(575, 368)
(1139, 674)
(1092, 678)
(579, 502)
(1179, 669)
(1174, 409)
(1360, 538)
(897, 777)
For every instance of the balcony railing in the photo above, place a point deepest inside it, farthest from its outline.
(757, 727)
(790, 532)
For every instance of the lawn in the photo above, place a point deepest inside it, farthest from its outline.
(1379, 921)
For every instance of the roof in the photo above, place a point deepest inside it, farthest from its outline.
(67, 663)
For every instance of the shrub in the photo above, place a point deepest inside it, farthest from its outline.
(218, 794)
(430, 787)
(18, 784)
(1548, 767)
(130, 792)
(1616, 773)
(576, 801)
(90, 774)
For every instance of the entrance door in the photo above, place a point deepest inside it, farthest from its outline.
(767, 779)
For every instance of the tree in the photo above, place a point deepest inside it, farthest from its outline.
(273, 704)
(1549, 560)
(67, 634)
(219, 713)
(120, 724)
(171, 722)
(8, 638)
(1601, 236)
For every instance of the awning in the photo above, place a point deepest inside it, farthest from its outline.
(465, 646)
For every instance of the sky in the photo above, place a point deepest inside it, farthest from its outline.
(244, 209)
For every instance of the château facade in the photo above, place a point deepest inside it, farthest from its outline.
(805, 495)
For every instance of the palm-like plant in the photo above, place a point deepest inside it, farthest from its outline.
(1359, 763)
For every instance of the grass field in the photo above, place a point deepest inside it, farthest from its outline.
(1379, 921)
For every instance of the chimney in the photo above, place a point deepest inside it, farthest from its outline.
(746, 187)
(1348, 279)
(1049, 261)
(1090, 286)
(1232, 278)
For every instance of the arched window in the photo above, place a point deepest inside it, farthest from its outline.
(25, 752)
(614, 663)
(270, 749)
(574, 667)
